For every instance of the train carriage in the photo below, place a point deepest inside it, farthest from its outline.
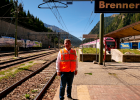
(129, 45)
(37, 44)
(9, 43)
(109, 42)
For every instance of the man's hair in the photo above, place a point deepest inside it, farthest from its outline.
(67, 40)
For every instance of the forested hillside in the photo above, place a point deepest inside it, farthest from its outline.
(114, 23)
(107, 21)
(95, 30)
(122, 20)
(7, 9)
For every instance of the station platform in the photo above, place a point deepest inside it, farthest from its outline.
(114, 81)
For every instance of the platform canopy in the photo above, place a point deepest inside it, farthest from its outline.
(129, 30)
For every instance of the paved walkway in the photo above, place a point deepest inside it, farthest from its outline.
(116, 81)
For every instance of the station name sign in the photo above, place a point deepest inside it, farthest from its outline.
(117, 6)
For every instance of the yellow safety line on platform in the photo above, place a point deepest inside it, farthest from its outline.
(82, 92)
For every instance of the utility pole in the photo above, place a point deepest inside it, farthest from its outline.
(16, 22)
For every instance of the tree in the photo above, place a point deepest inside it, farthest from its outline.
(20, 7)
(28, 14)
(56, 40)
(11, 1)
(32, 22)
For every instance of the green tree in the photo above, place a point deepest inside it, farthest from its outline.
(32, 23)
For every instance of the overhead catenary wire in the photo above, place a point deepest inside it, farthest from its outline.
(7, 10)
(6, 5)
(61, 17)
(87, 26)
(55, 16)
(90, 23)
(6, 19)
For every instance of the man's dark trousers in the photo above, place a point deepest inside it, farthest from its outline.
(66, 78)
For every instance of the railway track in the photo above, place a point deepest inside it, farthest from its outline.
(40, 94)
(10, 63)
(46, 69)
(21, 52)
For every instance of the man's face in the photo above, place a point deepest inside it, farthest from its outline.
(67, 44)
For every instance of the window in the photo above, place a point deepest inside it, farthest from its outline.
(110, 44)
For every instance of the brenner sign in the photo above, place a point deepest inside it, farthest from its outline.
(117, 6)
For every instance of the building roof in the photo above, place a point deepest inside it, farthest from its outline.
(129, 30)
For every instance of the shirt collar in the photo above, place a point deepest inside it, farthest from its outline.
(67, 49)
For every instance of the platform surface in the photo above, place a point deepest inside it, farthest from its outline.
(115, 81)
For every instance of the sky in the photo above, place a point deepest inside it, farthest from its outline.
(77, 19)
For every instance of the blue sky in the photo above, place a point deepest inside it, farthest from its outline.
(77, 16)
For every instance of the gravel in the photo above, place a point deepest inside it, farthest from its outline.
(34, 84)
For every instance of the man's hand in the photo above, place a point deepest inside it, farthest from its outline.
(59, 73)
(75, 72)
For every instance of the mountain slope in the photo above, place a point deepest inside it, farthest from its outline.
(74, 40)
(115, 22)
(122, 20)
(107, 21)
(54, 28)
(95, 30)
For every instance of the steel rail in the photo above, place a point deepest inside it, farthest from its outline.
(25, 58)
(21, 52)
(45, 87)
(21, 60)
(12, 87)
